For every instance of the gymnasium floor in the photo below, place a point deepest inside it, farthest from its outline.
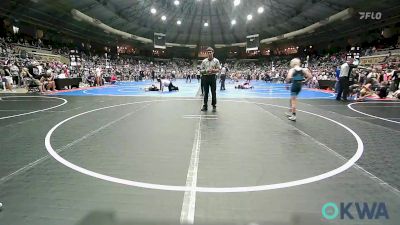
(156, 159)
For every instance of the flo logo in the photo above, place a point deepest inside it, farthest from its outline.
(370, 15)
(355, 210)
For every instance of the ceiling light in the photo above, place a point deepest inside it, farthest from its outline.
(236, 2)
(179, 22)
(153, 10)
(260, 10)
(176, 2)
(233, 22)
(206, 24)
(249, 17)
(163, 18)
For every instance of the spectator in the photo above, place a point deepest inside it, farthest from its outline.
(4, 81)
(113, 79)
(366, 90)
(47, 81)
(396, 80)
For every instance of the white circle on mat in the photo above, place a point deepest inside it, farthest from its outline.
(347, 165)
(36, 111)
(350, 106)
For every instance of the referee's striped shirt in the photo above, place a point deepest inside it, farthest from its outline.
(209, 64)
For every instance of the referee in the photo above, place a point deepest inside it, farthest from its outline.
(344, 83)
(209, 69)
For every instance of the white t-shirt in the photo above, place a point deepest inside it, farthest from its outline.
(372, 75)
(40, 68)
(207, 64)
(14, 70)
(223, 70)
(344, 70)
(165, 82)
(98, 72)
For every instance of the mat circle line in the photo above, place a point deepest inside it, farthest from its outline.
(35, 111)
(342, 168)
(350, 106)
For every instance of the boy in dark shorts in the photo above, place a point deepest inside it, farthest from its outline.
(297, 76)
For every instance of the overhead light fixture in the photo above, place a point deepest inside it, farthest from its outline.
(206, 24)
(249, 17)
(260, 10)
(176, 2)
(233, 22)
(179, 22)
(163, 18)
(236, 2)
(153, 10)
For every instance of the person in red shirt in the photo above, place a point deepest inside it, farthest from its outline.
(113, 79)
(66, 71)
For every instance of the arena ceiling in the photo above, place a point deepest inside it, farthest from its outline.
(135, 17)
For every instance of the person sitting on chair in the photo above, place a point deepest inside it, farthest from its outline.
(31, 80)
(383, 90)
(113, 79)
(5, 83)
(47, 81)
(90, 79)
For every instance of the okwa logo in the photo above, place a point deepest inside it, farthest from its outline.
(355, 210)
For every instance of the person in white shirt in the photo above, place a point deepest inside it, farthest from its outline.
(198, 75)
(209, 69)
(98, 79)
(224, 70)
(15, 74)
(167, 83)
(345, 72)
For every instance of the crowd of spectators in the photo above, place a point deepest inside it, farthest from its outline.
(382, 78)
(22, 71)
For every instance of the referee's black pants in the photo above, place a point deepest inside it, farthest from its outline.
(343, 91)
(202, 85)
(223, 77)
(210, 81)
(396, 84)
